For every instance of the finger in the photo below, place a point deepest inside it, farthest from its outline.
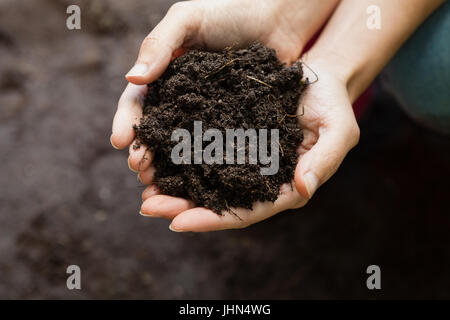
(139, 158)
(179, 52)
(150, 191)
(147, 176)
(129, 112)
(163, 206)
(202, 219)
(319, 163)
(180, 23)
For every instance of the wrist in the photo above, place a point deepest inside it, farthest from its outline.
(355, 54)
(355, 73)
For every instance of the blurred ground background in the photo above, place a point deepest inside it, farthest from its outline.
(66, 197)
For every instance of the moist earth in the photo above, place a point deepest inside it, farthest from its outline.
(233, 89)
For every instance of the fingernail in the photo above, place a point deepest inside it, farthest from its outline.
(311, 183)
(110, 140)
(129, 166)
(145, 215)
(174, 230)
(138, 69)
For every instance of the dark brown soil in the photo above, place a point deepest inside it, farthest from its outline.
(247, 88)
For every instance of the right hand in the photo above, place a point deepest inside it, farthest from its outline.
(286, 26)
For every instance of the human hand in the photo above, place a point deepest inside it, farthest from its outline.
(285, 26)
(316, 120)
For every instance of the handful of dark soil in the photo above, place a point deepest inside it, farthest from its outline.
(245, 89)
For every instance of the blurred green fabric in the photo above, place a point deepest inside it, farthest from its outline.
(419, 74)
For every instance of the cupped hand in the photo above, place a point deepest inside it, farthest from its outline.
(286, 26)
(325, 114)
(330, 131)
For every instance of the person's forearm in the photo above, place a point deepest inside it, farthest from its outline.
(357, 53)
(304, 16)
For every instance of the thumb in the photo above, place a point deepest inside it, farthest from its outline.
(165, 41)
(319, 163)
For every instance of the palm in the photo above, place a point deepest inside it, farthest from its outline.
(329, 128)
(287, 45)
